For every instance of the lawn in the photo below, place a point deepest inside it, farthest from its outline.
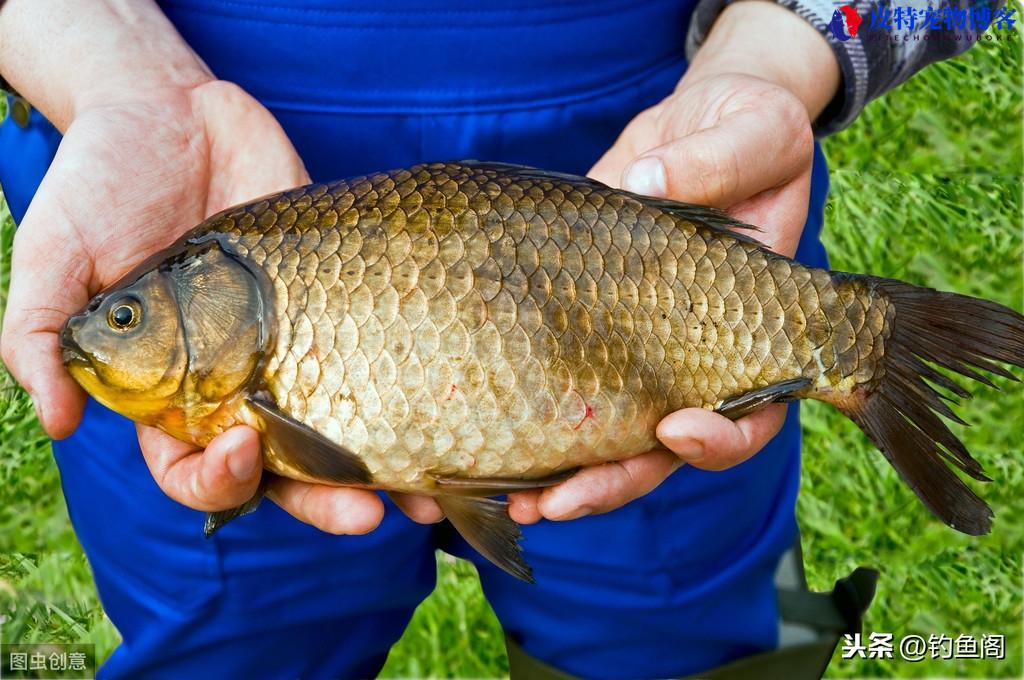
(926, 187)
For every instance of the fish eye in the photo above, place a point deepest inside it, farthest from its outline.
(124, 314)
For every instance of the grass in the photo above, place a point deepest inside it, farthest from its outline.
(927, 188)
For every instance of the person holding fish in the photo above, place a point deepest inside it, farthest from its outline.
(147, 118)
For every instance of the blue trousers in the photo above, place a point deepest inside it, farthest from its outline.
(673, 583)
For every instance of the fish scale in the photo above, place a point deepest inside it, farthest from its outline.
(467, 330)
(459, 320)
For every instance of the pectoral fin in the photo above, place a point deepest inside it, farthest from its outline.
(309, 451)
(485, 524)
(497, 486)
(736, 407)
(216, 520)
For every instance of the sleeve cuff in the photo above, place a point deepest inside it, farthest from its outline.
(853, 61)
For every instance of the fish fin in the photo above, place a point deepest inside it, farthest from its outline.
(901, 413)
(736, 407)
(485, 524)
(216, 520)
(703, 216)
(309, 451)
(497, 486)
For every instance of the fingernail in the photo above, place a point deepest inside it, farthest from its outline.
(241, 469)
(645, 176)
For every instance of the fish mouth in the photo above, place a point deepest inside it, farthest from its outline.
(71, 352)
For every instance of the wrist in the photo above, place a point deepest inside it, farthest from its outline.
(766, 41)
(65, 56)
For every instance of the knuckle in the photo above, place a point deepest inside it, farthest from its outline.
(213, 489)
(657, 118)
(716, 178)
(198, 488)
(302, 507)
(792, 117)
(633, 475)
(186, 491)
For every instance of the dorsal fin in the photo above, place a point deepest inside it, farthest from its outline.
(700, 215)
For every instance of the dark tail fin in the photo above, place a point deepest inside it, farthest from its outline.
(901, 413)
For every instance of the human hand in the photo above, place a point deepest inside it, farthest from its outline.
(128, 179)
(152, 145)
(736, 134)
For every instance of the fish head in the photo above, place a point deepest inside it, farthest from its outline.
(173, 342)
(127, 347)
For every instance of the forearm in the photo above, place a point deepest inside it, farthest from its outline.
(66, 55)
(746, 39)
(875, 58)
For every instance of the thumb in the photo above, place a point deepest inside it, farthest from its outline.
(711, 441)
(720, 165)
(49, 282)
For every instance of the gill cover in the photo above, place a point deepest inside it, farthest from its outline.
(224, 319)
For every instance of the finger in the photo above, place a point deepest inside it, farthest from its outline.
(223, 476)
(602, 488)
(337, 510)
(47, 285)
(608, 168)
(422, 509)
(781, 213)
(523, 506)
(740, 156)
(33, 358)
(711, 441)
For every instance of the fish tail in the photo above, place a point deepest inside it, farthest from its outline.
(900, 407)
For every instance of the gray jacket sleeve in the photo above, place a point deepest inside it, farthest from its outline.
(894, 41)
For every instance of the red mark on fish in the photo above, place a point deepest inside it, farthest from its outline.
(589, 413)
(451, 393)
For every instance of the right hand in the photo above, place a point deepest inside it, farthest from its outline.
(129, 178)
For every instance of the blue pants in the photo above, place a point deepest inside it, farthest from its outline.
(676, 582)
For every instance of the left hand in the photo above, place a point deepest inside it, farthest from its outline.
(736, 134)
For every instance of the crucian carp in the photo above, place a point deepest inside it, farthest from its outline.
(469, 329)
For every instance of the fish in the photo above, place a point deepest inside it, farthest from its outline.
(470, 329)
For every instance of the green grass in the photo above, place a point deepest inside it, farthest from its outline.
(927, 188)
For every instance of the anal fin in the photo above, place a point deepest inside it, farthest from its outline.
(309, 451)
(497, 486)
(485, 524)
(736, 407)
